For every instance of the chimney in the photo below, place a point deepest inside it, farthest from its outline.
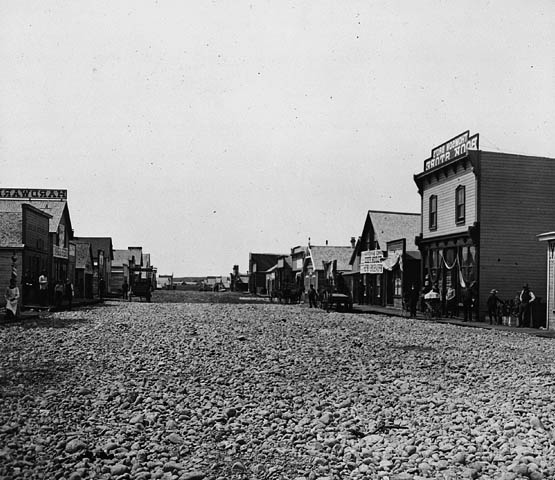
(326, 243)
(353, 242)
(236, 270)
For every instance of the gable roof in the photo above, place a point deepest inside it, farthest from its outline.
(11, 229)
(136, 252)
(321, 254)
(389, 226)
(83, 254)
(54, 208)
(99, 243)
(121, 258)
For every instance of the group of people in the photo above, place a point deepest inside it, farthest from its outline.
(434, 304)
(62, 290)
(520, 305)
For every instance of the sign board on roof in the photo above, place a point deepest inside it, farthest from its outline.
(39, 194)
(455, 148)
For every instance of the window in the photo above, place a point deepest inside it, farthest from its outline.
(433, 212)
(460, 204)
(397, 283)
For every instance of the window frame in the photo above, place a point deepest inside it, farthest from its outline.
(460, 217)
(432, 213)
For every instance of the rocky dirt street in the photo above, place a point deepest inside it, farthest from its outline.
(221, 391)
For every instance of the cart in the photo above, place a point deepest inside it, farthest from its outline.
(342, 301)
(140, 283)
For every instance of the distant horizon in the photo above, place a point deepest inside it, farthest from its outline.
(203, 131)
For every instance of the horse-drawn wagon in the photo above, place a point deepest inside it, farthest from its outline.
(140, 283)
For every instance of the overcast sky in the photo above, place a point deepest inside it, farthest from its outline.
(205, 130)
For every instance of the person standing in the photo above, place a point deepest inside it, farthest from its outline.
(413, 300)
(58, 294)
(69, 293)
(450, 302)
(493, 303)
(526, 298)
(12, 300)
(124, 289)
(312, 296)
(43, 289)
(468, 302)
(27, 289)
(101, 287)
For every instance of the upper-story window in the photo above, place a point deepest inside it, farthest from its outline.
(460, 204)
(433, 212)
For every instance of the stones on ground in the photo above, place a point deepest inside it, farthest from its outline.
(296, 398)
(75, 445)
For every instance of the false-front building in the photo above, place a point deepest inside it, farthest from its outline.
(481, 212)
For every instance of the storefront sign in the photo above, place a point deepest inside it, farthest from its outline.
(455, 148)
(371, 256)
(60, 252)
(372, 268)
(33, 193)
(371, 261)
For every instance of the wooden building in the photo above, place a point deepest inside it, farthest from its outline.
(60, 231)
(259, 263)
(481, 212)
(103, 255)
(120, 271)
(84, 270)
(385, 261)
(549, 238)
(24, 241)
(317, 256)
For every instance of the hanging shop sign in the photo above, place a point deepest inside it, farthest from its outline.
(60, 252)
(455, 148)
(372, 268)
(33, 193)
(371, 261)
(371, 256)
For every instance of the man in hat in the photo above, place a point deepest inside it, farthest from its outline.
(493, 303)
(526, 298)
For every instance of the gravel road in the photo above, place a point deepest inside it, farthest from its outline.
(221, 391)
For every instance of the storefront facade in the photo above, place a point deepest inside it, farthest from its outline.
(549, 239)
(479, 210)
(23, 247)
(385, 261)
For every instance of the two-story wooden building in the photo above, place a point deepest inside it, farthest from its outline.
(24, 244)
(53, 203)
(481, 212)
(103, 255)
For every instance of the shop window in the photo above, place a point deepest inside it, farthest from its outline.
(397, 283)
(433, 212)
(460, 204)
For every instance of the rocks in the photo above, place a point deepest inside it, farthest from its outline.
(75, 445)
(223, 391)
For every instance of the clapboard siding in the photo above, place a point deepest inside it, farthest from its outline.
(6, 268)
(516, 203)
(445, 191)
(35, 232)
(551, 300)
